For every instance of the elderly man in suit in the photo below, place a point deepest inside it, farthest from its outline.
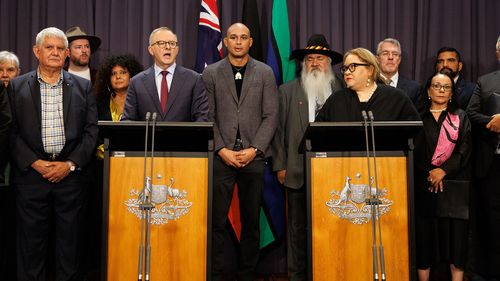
(300, 100)
(449, 60)
(389, 57)
(54, 132)
(175, 93)
(243, 104)
(484, 113)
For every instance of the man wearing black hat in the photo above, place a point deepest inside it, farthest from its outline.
(300, 100)
(81, 47)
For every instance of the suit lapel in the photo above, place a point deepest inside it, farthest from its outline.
(175, 88)
(227, 77)
(150, 84)
(35, 95)
(247, 79)
(67, 94)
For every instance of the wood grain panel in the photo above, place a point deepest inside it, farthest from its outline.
(342, 250)
(178, 248)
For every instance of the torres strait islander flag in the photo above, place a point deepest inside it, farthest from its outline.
(209, 36)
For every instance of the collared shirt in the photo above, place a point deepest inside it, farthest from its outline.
(159, 77)
(393, 80)
(51, 97)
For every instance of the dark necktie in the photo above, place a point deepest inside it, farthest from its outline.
(164, 91)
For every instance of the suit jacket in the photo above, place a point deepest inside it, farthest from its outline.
(80, 125)
(463, 92)
(411, 88)
(293, 122)
(255, 112)
(187, 99)
(5, 121)
(486, 141)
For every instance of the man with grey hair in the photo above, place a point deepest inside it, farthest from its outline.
(300, 101)
(9, 67)
(53, 137)
(175, 93)
(484, 113)
(389, 57)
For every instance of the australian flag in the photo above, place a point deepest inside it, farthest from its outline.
(209, 36)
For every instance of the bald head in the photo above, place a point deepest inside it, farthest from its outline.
(238, 42)
(238, 27)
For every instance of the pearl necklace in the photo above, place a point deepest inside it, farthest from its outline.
(437, 110)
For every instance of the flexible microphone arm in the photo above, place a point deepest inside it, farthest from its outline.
(374, 231)
(149, 205)
(143, 195)
(381, 245)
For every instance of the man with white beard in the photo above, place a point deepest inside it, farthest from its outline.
(300, 100)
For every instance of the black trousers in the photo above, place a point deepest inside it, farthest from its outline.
(38, 207)
(488, 210)
(297, 242)
(250, 181)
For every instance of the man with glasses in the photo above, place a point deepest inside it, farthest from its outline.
(175, 93)
(389, 58)
(449, 60)
(300, 101)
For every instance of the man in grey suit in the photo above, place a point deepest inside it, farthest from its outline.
(243, 104)
(300, 100)
(389, 58)
(484, 114)
(175, 93)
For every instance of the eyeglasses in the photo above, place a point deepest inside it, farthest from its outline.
(388, 54)
(351, 67)
(121, 72)
(163, 44)
(438, 87)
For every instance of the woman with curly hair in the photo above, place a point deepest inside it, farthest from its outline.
(112, 84)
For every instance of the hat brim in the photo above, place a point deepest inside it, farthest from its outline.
(94, 41)
(301, 53)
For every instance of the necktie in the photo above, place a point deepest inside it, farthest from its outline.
(164, 91)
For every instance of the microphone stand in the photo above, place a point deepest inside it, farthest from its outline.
(142, 197)
(370, 200)
(149, 205)
(381, 245)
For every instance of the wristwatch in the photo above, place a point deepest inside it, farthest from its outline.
(71, 165)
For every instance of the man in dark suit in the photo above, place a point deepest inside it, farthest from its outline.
(5, 120)
(389, 57)
(484, 113)
(300, 100)
(54, 131)
(175, 93)
(243, 103)
(449, 60)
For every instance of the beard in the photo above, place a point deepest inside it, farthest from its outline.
(317, 84)
(80, 61)
(449, 71)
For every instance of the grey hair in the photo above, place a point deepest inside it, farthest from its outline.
(6, 56)
(498, 44)
(158, 30)
(51, 32)
(388, 40)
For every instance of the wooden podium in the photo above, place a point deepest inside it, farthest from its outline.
(339, 221)
(181, 225)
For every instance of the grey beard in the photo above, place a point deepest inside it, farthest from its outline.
(317, 84)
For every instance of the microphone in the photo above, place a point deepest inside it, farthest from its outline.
(369, 201)
(149, 205)
(377, 202)
(143, 197)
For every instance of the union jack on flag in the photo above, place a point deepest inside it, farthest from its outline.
(209, 36)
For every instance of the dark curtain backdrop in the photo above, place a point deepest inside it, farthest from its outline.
(422, 26)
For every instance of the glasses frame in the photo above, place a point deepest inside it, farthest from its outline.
(438, 87)
(352, 67)
(170, 44)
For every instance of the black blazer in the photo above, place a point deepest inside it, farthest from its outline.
(5, 120)
(80, 125)
(463, 92)
(486, 140)
(411, 88)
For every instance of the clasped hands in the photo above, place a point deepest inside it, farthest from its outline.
(237, 159)
(435, 180)
(494, 124)
(53, 171)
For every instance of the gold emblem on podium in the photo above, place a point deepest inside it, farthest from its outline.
(169, 203)
(349, 202)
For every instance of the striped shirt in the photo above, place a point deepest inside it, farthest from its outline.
(52, 115)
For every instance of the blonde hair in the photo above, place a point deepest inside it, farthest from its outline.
(367, 57)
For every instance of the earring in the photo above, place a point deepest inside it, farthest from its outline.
(368, 82)
(429, 97)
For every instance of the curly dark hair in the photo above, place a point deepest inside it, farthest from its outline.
(102, 87)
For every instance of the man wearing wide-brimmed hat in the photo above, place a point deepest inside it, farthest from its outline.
(81, 47)
(300, 100)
